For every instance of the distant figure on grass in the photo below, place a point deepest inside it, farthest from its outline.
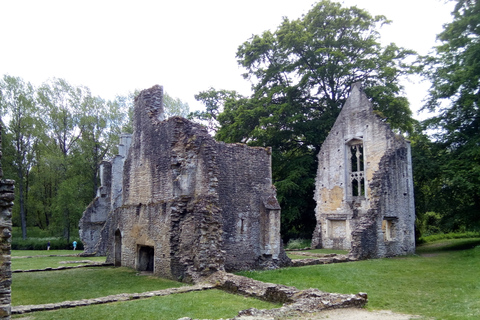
(74, 245)
(48, 245)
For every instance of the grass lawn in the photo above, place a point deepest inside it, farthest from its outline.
(327, 251)
(441, 281)
(83, 283)
(30, 253)
(50, 262)
(292, 255)
(210, 304)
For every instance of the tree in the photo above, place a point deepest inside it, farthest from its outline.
(301, 75)
(18, 103)
(174, 106)
(455, 96)
(214, 101)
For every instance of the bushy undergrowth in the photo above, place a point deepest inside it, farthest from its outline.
(451, 235)
(298, 244)
(41, 244)
(37, 239)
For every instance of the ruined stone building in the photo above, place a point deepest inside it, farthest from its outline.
(364, 185)
(109, 197)
(181, 204)
(6, 203)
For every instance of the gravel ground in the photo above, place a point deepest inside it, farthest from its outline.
(342, 314)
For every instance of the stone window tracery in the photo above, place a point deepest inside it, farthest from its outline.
(356, 169)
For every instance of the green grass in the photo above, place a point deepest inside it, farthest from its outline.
(297, 257)
(441, 281)
(34, 253)
(83, 283)
(210, 304)
(327, 251)
(444, 284)
(294, 256)
(49, 262)
(452, 235)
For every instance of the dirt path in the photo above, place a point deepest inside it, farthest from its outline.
(358, 314)
(338, 314)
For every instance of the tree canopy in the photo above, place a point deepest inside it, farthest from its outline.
(301, 75)
(454, 71)
(54, 139)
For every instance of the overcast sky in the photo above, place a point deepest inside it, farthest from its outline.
(114, 47)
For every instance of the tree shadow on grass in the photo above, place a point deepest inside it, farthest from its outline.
(448, 245)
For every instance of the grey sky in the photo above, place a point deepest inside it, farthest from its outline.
(114, 47)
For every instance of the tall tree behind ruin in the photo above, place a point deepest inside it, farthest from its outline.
(18, 104)
(454, 72)
(301, 75)
(54, 139)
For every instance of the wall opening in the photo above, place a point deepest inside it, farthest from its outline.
(356, 166)
(118, 249)
(145, 258)
(388, 228)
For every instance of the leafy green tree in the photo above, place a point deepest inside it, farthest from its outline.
(174, 106)
(301, 75)
(63, 106)
(18, 104)
(214, 101)
(455, 96)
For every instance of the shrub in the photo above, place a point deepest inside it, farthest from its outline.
(451, 235)
(298, 244)
(41, 244)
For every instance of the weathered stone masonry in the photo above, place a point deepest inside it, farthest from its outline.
(364, 185)
(6, 202)
(191, 205)
(109, 197)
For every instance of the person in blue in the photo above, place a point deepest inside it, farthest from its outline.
(48, 245)
(74, 245)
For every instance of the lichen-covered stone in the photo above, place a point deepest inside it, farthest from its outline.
(364, 185)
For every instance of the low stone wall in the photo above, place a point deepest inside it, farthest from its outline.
(326, 259)
(66, 267)
(294, 300)
(107, 299)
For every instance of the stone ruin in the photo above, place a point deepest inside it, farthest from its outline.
(6, 202)
(108, 198)
(364, 185)
(177, 203)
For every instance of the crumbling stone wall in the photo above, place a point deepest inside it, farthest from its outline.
(190, 205)
(109, 197)
(6, 202)
(364, 185)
